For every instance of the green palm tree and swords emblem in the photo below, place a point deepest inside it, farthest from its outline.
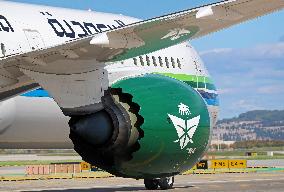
(185, 128)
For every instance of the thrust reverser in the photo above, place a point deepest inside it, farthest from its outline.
(152, 127)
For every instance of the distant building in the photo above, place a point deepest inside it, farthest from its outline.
(216, 142)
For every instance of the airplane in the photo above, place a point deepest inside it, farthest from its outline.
(135, 95)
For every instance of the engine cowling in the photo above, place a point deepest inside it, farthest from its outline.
(161, 127)
(7, 114)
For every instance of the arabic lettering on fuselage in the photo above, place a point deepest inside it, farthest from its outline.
(73, 29)
(5, 25)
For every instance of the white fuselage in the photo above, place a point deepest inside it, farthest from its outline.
(25, 27)
(29, 28)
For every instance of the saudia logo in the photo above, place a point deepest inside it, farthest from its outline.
(175, 34)
(185, 128)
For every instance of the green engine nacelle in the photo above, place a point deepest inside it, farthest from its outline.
(152, 126)
(175, 128)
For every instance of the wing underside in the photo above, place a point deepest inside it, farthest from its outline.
(134, 39)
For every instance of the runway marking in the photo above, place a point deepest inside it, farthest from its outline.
(137, 185)
(245, 185)
(141, 185)
(235, 181)
(62, 188)
(79, 188)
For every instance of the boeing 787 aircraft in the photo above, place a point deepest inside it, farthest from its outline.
(139, 100)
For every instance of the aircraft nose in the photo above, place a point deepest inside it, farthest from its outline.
(7, 114)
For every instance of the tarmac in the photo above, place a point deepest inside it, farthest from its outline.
(38, 158)
(259, 182)
(15, 170)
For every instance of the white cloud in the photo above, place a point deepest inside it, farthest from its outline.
(246, 105)
(247, 79)
(273, 89)
(226, 91)
(271, 50)
(268, 72)
(257, 52)
(216, 51)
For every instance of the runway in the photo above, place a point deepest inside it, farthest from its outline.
(272, 182)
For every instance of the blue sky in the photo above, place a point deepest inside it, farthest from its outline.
(246, 61)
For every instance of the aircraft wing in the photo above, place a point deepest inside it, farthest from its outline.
(161, 32)
(158, 33)
(137, 38)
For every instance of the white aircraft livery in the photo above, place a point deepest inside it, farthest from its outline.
(133, 96)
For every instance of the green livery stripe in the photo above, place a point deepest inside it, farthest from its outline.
(184, 77)
(193, 80)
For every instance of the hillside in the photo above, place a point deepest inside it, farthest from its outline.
(252, 125)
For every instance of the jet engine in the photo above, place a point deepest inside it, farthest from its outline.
(7, 114)
(152, 126)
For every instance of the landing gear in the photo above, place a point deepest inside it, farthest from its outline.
(164, 183)
(151, 184)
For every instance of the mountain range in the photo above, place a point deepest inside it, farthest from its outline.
(252, 125)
